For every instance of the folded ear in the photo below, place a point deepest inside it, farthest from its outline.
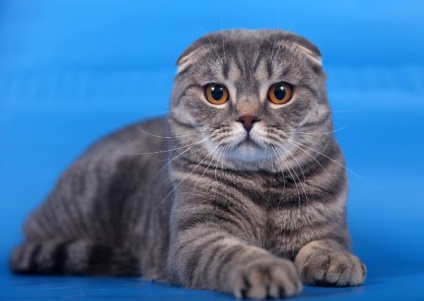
(303, 46)
(192, 53)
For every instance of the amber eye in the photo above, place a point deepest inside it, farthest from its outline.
(216, 94)
(280, 93)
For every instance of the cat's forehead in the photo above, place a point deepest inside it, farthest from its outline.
(244, 53)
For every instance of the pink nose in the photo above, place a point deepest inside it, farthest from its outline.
(247, 121)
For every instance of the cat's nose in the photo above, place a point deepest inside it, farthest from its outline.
(248, 121)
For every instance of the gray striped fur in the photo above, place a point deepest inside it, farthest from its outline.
(183, 199)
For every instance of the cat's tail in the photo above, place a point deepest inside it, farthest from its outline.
(79, 257)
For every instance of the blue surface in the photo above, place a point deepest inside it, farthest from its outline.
(73, 70)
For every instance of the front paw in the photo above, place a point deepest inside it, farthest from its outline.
(332, 269)
(266, 278)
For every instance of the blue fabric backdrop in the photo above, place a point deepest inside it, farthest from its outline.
(73, 70)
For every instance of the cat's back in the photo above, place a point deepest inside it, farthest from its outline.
(97, 208)
(140, 141)
(112, 176)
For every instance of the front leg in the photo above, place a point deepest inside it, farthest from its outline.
(327, 263)
(207, 253)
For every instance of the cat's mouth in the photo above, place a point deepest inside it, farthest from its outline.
(247, 150)
(248, 142)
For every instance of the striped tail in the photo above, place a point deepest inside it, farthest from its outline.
(79, 257)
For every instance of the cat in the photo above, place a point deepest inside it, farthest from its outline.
(241, 188)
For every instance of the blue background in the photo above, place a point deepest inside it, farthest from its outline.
(73, 70)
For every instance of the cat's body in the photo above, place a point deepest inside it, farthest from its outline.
(104, 206)
(223, 194)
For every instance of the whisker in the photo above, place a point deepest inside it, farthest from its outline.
(289, 141)
(287, 31)
(222, 36)
(219, 160)
(170, 161)
(216, 166)
(326, 133)
(206, 169)
(278, 26)
(345, 111)
(271, 166)
(222, 161)
(185, 178)
(210, 42)
(224, 149)
(304, 178)
(163, 151)
(288, 169)
(330, 159)
(165, 137)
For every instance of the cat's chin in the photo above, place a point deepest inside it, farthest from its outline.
(247, 152)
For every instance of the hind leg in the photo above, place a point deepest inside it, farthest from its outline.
(77, 257)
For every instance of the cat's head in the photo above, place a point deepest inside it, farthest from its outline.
(249, 97)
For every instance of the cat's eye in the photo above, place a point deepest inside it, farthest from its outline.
(216, 94)
(280, 93)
